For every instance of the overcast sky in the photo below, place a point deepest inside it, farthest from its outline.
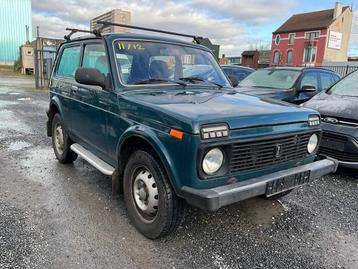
(235, 25)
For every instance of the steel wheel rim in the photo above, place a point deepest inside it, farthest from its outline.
(59, 140)
(145, 194)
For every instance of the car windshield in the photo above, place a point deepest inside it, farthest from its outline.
(271, 78)
(147, 62)
(348, 86)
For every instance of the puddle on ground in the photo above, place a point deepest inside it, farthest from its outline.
(9, 121)
(24, 99)
(4, 103)
(18, 145)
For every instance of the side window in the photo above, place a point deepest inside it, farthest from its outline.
(124, 63)
(309, 78)
(326, 80)
(240, 74)
(69, 62)
(228, 71)
(94, 56)
(335, 78)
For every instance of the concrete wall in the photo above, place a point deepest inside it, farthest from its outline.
(343, 24)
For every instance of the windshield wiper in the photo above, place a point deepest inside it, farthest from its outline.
(154, 80)
(194, 78)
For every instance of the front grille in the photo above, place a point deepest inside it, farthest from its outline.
(264, 153)
(339, 155)
(341, 121)
(332, 138)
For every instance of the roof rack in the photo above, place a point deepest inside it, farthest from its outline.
(73, 31)
(105, 24)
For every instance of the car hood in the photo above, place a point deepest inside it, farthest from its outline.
(188, 110)
(334, 105)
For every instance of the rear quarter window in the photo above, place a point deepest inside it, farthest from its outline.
(69, 61)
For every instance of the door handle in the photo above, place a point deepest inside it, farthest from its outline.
(74, 89)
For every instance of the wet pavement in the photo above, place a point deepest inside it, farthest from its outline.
(64, 216)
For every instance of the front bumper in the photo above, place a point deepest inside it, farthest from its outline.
(215, 198)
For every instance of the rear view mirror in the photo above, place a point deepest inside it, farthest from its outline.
(90, 76)
(308, 89)
(234, 81)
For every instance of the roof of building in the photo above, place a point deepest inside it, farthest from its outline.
(308, 21)
(249, 52)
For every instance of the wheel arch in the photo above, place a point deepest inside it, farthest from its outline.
(144, 138)
(54, 108)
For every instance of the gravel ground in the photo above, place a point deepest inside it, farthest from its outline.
(64, 216)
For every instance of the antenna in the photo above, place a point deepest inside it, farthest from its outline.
(106, 24)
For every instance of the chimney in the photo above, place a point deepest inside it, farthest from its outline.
(27, 34)
(337, 10)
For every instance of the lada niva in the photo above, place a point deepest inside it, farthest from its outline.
(161, 117)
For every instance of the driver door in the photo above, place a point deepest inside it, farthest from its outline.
(91, 103)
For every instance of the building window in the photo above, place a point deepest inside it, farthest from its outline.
(312, 35)
(291, 39)
(277, 39)
(289, 57)
(276, 57)
(310, 54)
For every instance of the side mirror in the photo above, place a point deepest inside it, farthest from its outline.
(90, 76)
(234, 81)
(308, 89)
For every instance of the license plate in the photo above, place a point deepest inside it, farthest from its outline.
(287, 183)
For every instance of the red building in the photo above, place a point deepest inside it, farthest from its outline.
(311, 38)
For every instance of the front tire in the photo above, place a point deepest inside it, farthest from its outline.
(152, 205)
(61, 142)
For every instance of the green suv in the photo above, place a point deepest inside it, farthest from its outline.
(160, 117)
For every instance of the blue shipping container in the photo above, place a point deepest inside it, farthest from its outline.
(14, 16)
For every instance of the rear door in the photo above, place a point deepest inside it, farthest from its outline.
(91, 102)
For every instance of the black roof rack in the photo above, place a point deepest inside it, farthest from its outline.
(106, 24)
(73, 31)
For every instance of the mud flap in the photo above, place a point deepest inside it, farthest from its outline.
(117, 186)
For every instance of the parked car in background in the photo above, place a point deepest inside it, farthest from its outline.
(237, 71)
(290, 84)
(339, 112)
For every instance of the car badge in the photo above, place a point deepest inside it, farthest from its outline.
(330, 120)
(278, 150)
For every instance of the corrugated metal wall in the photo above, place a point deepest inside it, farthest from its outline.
(14, 15)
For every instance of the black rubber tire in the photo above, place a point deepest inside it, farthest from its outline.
(67, 156)
(170, 207)
(279, 195)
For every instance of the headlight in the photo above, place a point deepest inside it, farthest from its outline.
(314, 120)
(312, 143)
(213, 161)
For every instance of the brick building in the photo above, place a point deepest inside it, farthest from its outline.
(255, 58)
(311, 38)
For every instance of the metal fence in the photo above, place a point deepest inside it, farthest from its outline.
(44, 60)
(342, 70)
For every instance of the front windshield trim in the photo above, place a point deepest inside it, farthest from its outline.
(161, 84)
